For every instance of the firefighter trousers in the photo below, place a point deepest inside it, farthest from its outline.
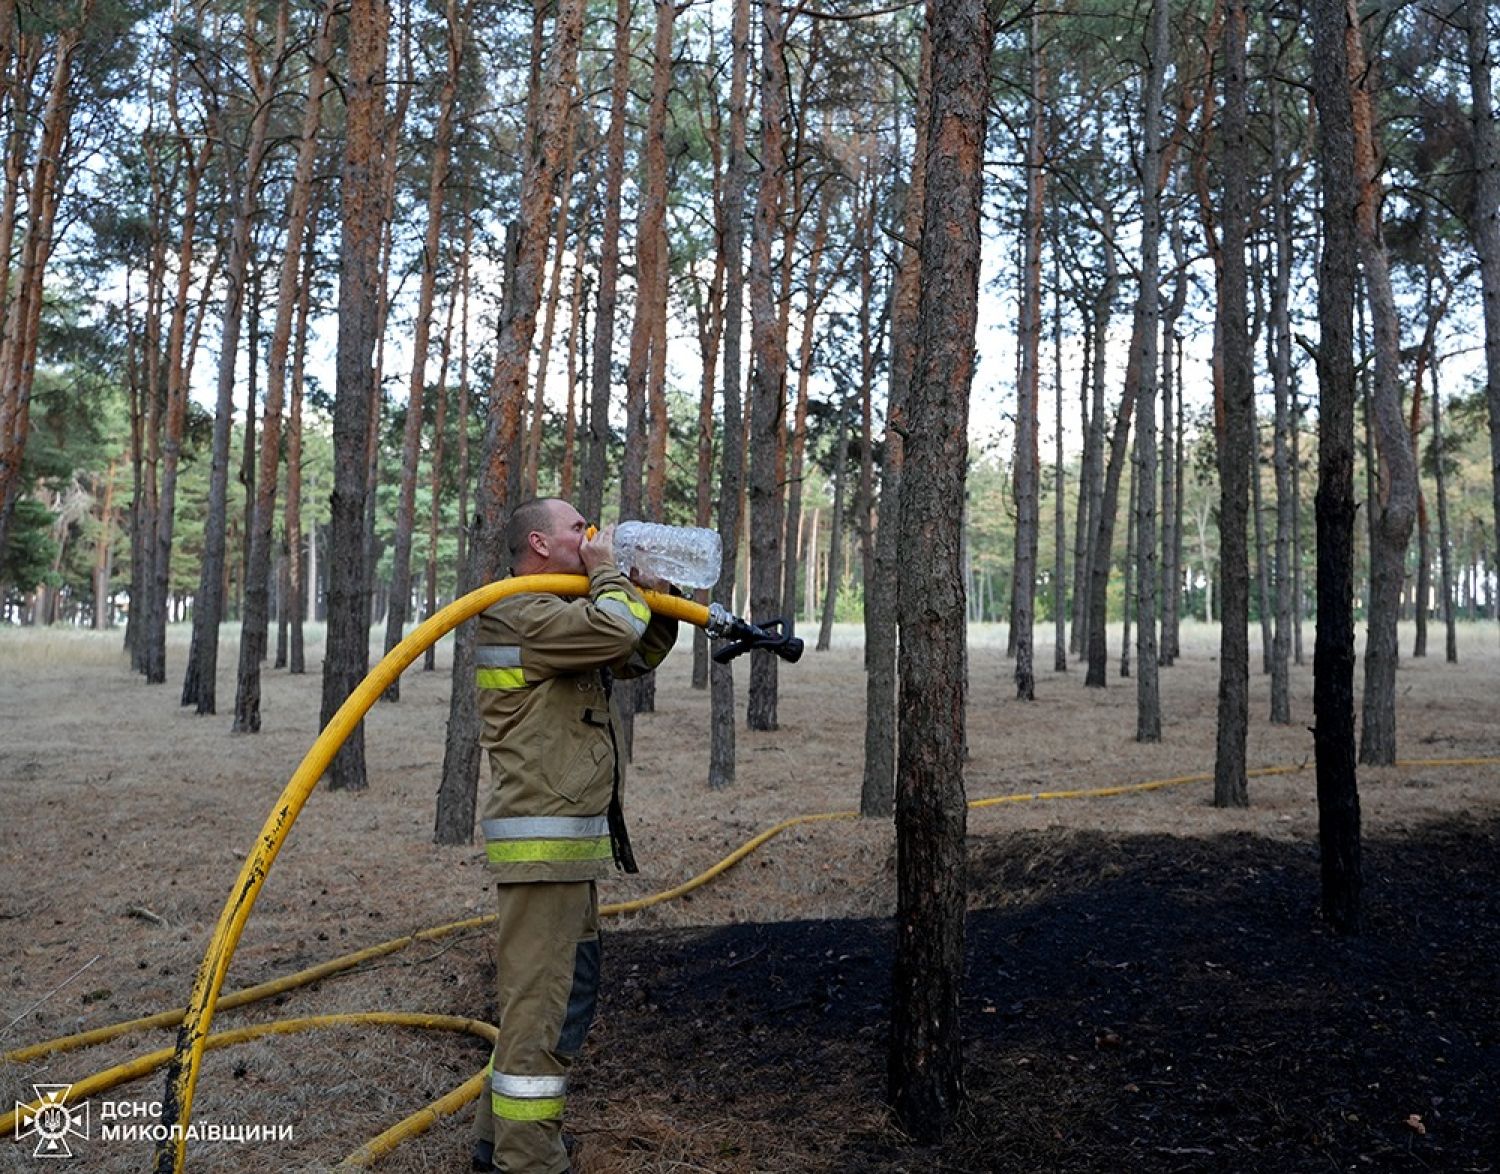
(547, 980)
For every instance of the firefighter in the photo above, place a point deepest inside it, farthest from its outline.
(551, 818)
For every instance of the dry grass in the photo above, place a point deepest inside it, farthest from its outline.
(117, 798)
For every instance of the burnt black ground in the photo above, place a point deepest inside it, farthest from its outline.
(1143, 1003)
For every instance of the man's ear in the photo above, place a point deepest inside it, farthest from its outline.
(540, 543)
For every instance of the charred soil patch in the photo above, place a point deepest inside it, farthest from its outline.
(1144, 1002)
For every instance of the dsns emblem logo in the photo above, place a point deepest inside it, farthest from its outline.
(52, 1122)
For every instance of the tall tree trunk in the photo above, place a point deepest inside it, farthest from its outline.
(591, 496)
(792, 564)
(732, 466)
(878, 788)
(645, 390)
(199, 685)
(256, 616)
(531, 472)
(1394, 508)
(1299, 595)
(768, 368)
(925, 1068)
(1059, 534)
(1148, 692)
(158, 563)
(1102, 544)
(346, 655)
(411, 440)
(710, 313)
(439, 454)
(253, 304)
(1129, 598)
(1281, 380)
(1445, 545)
(501, 475)
(1230, 785)
(299, 581)
(104, 551)
(23, 312)
(1027, 477)
(1333, 653)
(836, 530)
(1484, 226)
(1171, 462)
(1081, 517)
(1262, 543)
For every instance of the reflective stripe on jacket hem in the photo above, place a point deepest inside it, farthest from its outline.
(547, 851)
(545, 827)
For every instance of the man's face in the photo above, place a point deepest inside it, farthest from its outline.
(566, 530)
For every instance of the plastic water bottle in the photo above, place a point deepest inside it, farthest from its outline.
(683, 555)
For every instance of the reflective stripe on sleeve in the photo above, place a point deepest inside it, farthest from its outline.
(637, 615)
(498, 656)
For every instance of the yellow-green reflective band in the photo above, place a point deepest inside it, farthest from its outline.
(545, 851)
(500, 678)
(516, 1109)
(638, 614)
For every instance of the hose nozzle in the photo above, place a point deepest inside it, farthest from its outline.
(744, 636)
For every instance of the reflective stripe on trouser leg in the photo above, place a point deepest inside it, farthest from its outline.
(546, 977)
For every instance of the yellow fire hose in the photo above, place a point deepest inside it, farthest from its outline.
(193, 1034)
(182, 1074)
(451, 1102)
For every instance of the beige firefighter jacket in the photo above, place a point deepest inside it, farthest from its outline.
(550, 728)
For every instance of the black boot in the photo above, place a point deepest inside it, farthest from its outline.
(483, 1156)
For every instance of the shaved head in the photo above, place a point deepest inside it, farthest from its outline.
(536, 515)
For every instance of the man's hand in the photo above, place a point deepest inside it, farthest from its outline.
(650, 582)
(596, 551)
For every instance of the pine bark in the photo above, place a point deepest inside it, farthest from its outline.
(1445, 541)
(1237, 432)
(1484, 225)
(22, 308)
(878, 787)
(1394, 506)
(500, 476)
(768, 368)
(1281, 379)
(795, 470)
(346, 656)
(1148, 691)
(1333, 653)
(1027, 476)
(1101, 545)
(591, 494)
(1129, 598)
(836, 530)
(199, 687)
(925, 1068)
(256, 617)
(411, 440)
(439, 457)
(1171, 454)
(167, 439)
(732, 466)
(1059, 532)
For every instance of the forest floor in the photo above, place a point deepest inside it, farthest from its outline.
(1148, 986)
